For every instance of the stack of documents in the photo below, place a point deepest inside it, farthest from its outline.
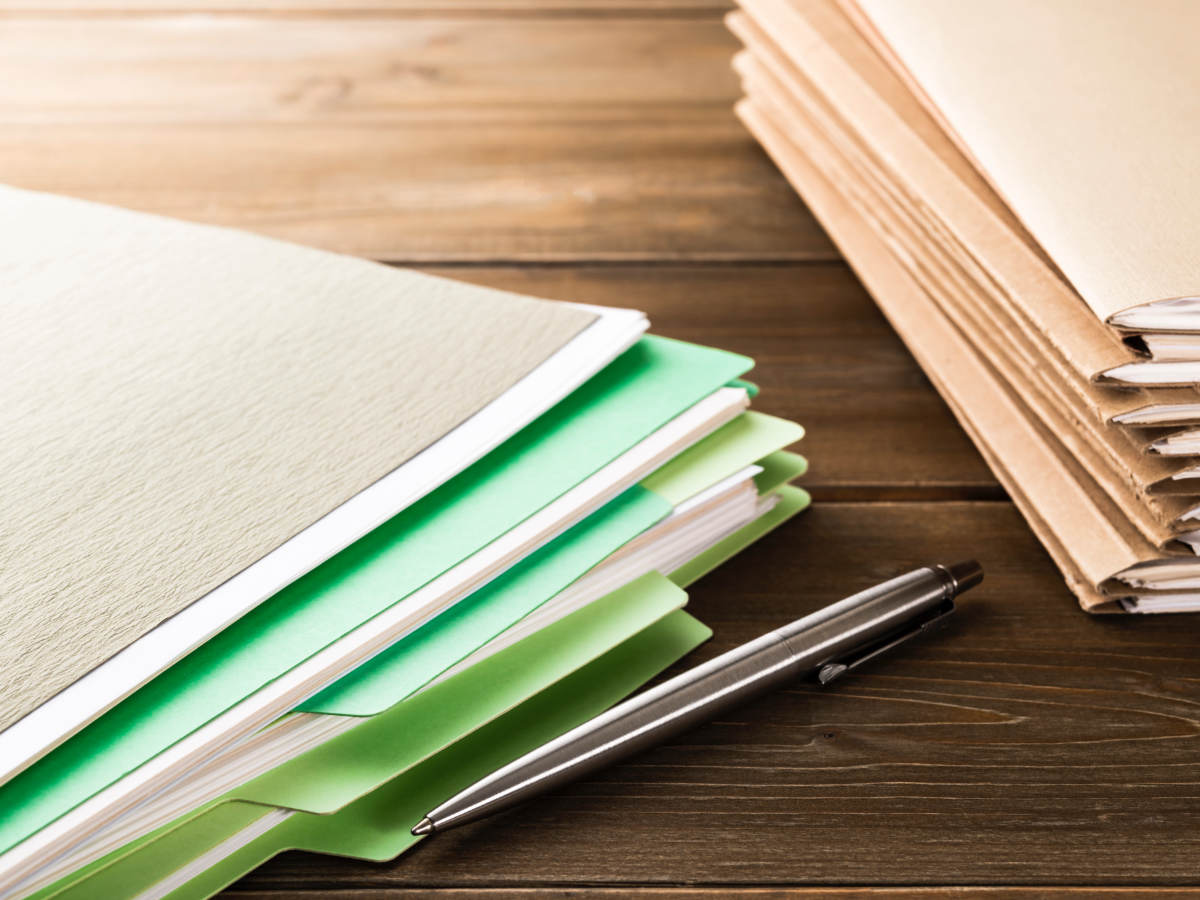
(1013, 181)
(296, 546)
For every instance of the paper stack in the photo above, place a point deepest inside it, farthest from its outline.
(296, 546)
(1012, 180)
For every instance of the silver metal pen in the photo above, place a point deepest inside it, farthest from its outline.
(825, 644)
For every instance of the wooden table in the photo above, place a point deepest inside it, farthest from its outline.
(586, 150)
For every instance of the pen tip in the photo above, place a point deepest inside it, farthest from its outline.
(966, 574)
(425, 826)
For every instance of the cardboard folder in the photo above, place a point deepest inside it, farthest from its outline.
(1082, 115)
(1115, 457)
(412, 661)
(1064, 515)
(359, 793)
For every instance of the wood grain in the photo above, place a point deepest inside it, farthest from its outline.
(750, 893)
(406, 140)
(369, 69)
(603, 8)
(1025, 744)
(825, 357)
(442, 191)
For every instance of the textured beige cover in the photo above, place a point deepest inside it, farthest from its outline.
(1083, 114)
(178, 400)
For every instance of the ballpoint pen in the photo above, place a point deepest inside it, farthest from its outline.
(826, 644)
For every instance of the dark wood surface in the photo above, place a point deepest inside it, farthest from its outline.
(587, 151)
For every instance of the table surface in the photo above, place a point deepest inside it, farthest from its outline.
(586, 150)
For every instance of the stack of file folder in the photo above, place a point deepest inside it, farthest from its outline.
(1014, 182)
(296, 546)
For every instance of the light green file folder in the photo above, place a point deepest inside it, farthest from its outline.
(361, 760)
(375, 825)
(421, 656)
(415, 660)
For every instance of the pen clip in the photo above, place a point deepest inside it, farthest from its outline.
(834, 670)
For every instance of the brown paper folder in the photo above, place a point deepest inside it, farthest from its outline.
(1082, 114)
(1064, 513)
(1015, 352)
(1115, 459)
(974, 222)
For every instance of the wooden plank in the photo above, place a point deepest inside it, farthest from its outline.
(1027, 743)
(748, 893)
(258, 68)
(443, 190)
(352, 7)
(825, 357)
